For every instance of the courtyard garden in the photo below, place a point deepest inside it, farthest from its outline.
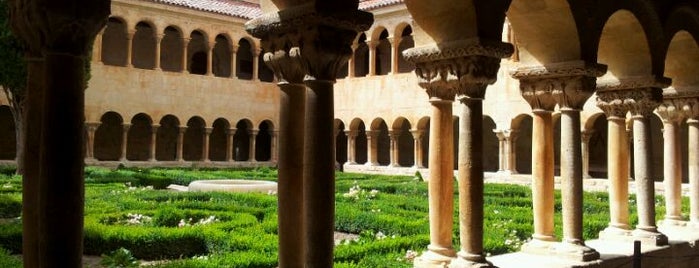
(130, 218)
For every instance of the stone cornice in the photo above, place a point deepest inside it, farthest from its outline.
(458, 49)
(638, 101)
(299, 17)
(561, 69)
(635, 82)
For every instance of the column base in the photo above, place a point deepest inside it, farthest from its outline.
(435, 257)
(469, 260)
(649, 236)
(578, 252)
(616, 233)
(673, 223)
(539, 246)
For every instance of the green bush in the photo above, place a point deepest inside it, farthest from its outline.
(9, 261)
(10, 206)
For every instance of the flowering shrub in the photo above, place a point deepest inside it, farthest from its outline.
(357, 193)
(190, 222)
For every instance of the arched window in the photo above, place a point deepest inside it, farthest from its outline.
(196, 53)
(108, 137)
(114, 43)
(222, 57)
(265, 74)
(383, 54)
(171, 50)
(139, 138)
(244, 60)
(241, 141)
(166, 138)
(193, 139)
(406, 42)
(143, 47)
(218, 141)
(361, 57)
(263, 142)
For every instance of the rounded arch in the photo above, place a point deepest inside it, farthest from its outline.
(197, 52)
(546, 30)
(596, 134)
(431, 16)
(241, 140)
(522, 130)
(172, 49)
(682, 62)
(341, 142)
(115, 42)
(166, 138)
(222, 56)
(382, 61)
(404, 142)
(244, 57)
(490, 145)
(143, 46)
(263, 141)
(8, 134)
(592, 119)
(139, 138)
(406, 42)
(193, 143)
(360, 143)
(218, 140)
(108, 137)
(361, 57)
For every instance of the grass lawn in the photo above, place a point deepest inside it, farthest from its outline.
(125, 209)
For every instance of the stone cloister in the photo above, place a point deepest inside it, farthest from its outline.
(574, 89)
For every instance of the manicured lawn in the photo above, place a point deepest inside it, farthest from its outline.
(240, 230)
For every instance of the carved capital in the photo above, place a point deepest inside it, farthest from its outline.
(417, 134)
(640, 101)
(316, 43)
(672, 110)
(458, 49)
(351, 133)
(67, 27)
(569, 84)
(92, 126)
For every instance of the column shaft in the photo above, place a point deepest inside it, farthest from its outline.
(153, 142)
(91, 128)
(618, 173)
(693, 169)
(210, 60)
(372, 57)
(129, 48)
(251, 150)
(672, 171)
(180, 143)
(124, 141)
(205, 145)
(395, 41)
(185, 45)
(234, 55)
(256, 65)
(158, 40)
(571, 175)
(643, 173)
(291, 181)
(319, 174)
(542, 175)
(229, 144)
(585, 137)
(394, 149)
(372, 152)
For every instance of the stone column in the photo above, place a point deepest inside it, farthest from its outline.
(129, 48)
(205, 144)
(351, 143)
(97, 48)
(585, 136)
(180, 143)
(693, 161)
(153, 142)
(229, 144)
(372, 152)
(210, 59)
(91, 128)
(185, 45)
(158, 40)
(417, 148)
(394, 154)
(506, 151)
(255, 64)
(671, 113)
(251, 150)
(124, 141)
(317, 51)
(234, 55)
(395, 53)
(274, 146)
(56, 111)
(617, 165)
(372, 56)
(350, 62)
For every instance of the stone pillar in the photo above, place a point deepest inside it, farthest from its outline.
(97, 48)
(372, 56)
(417, 148)
(315, 54)
(185, 45)
(205, 144)
(158, 40)
(507, 162)
(251, 150)
(129, 48)
(671, 113)
(372, 152)
(153, 142)
(124, 141)
(229, 144)
(351, 144)
(569, 84)
(395, 53)
(55, 110)
(180, 143)
(585, 136)
(234, 64)
(642, 95)
(91, 128)
(617, 165)
(274, 146)
(255, 63)
(693, 163)
(210, 59)
(350, 62)
(394, 154)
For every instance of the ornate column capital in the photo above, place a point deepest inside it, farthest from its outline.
(505, 134)
(417, 133)
(585, 135)
(464, 67)
(92, 126)
(638, 95)
(568, 84)
(679, 106)
(317, 42)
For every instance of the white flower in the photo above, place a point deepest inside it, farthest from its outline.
(410, 255)
(380, 236)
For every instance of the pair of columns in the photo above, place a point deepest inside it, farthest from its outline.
(372, 148)
(305, 61)
(507, 151)
(638, 96)
(568, 85)
(461, 70)
(91, 128)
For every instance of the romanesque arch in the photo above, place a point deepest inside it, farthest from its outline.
(144, 46)
(423, 126)
(263, 141)
(218, 140)
(340, 142)
(197, 53)
(241, 140)
(404, 142)
(8, 136)
(265, 74)
(139, 138)
(361, 57)
(166, 138)
(382, 60)
(624, 48)
(171, 50)
(193, 139)
(108, 137)
(596, 129)
(244, 58)
(490, 145)
(360, 143)
(222, 56)
(381, 143)
(406, 42)
(115, 43)
(522, 126)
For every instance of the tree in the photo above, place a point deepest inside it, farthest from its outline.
(13, 75)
